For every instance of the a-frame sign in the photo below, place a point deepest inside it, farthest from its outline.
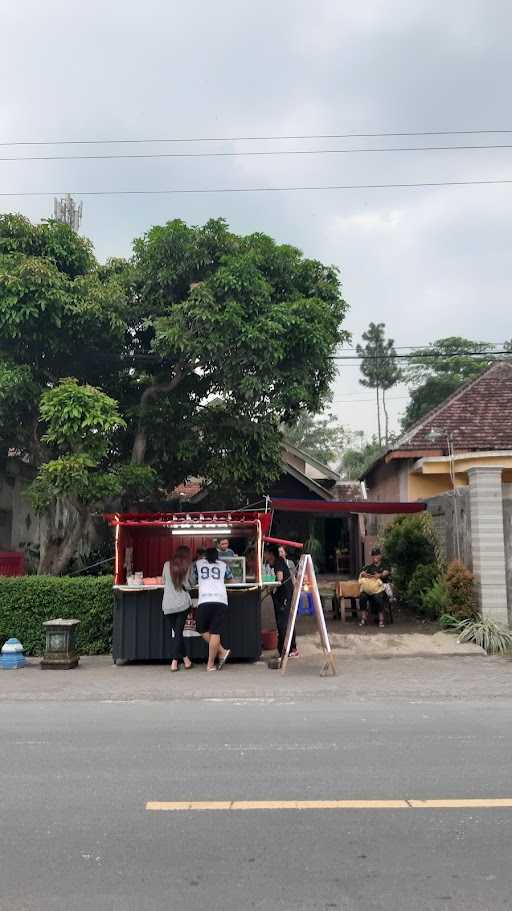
(306, 577)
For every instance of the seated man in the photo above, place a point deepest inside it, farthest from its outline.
(373, 579)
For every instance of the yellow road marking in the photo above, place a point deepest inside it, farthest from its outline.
(404, 804)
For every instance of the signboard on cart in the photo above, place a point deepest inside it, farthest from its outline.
(306, 577)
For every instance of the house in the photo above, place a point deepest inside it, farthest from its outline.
(458, 459)
(470, 429)
(304, 478)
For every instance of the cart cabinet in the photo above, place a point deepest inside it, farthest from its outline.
(141, 631)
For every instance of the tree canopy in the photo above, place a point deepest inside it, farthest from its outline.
(437, 370)
(356, 460)
(185, 359)
(379, 369)
(321, 436)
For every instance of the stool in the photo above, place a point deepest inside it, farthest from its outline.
(347, 591)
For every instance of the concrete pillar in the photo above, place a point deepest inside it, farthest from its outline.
(486, 501)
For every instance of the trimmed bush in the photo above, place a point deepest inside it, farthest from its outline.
(459, 582)
(408, 542)
(436, 602)
(421, 582)
(27, 601)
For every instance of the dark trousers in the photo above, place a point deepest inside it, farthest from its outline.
(282, 612)
(376, 604)
(179, 647)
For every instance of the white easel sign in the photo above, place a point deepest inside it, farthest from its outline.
(306, 576)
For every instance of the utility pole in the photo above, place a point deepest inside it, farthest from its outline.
(68, 211)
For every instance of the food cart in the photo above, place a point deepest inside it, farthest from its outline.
(143, 543)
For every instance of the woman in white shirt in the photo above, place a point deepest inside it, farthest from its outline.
(176, 605)
(213, 605)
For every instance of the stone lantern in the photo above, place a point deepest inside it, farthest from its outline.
(60, 649)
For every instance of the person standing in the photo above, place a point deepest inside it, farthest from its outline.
(282, 599)
(212, 609)
(176, 605)
(282, 553)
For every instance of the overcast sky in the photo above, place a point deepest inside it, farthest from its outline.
(427, 262)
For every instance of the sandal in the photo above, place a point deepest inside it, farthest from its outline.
(188, 666)
(174, 670)
(223, 659)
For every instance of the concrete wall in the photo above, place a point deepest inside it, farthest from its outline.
(483, 512)
(21, 528)
(507, 534)
(19, 525)
(447, 510)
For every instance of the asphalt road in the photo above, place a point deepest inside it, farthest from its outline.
(76, 836)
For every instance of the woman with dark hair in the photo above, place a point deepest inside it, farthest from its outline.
(282, 599)
(213, 605)
(176, 605)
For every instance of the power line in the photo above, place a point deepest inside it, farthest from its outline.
(420, 355)
(414, 348)
(272, 138)
(252, 154)
(395, 398)
(292, 189)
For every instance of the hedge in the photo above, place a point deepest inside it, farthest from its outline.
(27, 601)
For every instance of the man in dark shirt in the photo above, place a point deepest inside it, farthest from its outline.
(282, 599)
(374, 602)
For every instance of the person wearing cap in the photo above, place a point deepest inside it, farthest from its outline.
(373, 579)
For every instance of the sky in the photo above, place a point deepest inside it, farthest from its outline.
(428, 262)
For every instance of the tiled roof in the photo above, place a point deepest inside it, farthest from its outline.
(478, 416)
(188, 490)
(348, 490)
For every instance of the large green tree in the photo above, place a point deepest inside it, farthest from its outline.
(439, 369)
(79, 426)
(205, 341)
(243, 333)
(356, 459)
(321, 436)
(379, 369)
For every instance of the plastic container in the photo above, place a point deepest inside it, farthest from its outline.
(269, 640)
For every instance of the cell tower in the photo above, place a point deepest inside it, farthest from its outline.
(68, 211)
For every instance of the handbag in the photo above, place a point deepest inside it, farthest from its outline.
(370, 585)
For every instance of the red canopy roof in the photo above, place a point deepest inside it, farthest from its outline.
(208, 519)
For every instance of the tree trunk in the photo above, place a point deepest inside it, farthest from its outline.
(152, 392)
(378, 417)
(62, 546)
(386, 418)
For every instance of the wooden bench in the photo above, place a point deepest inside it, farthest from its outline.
(346, 591)
(349, 590)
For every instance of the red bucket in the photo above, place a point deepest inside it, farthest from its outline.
(269, 639)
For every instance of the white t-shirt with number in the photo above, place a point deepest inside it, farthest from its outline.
(211, 581)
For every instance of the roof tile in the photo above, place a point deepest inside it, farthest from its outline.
(478, 416)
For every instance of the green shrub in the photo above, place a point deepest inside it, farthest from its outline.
(448, 622)
(459, 582)
(493, 638)
(408, 542)
(27, 601)
(420, 583)
(436, 601)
